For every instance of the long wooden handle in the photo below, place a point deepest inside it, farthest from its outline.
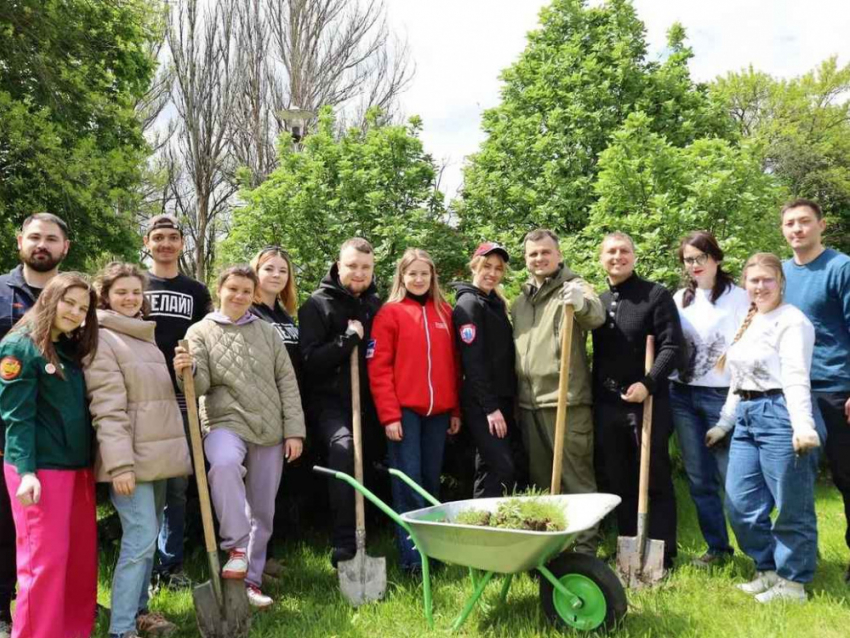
(201, 474)
(646, 436)
(563, 388)
(357, 435)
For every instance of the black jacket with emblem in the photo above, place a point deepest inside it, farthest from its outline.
(486, 343)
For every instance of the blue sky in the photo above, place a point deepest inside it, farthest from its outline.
(460, 46)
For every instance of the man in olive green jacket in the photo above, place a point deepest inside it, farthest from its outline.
(537, 315)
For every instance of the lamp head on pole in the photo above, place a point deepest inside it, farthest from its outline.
(296, 120)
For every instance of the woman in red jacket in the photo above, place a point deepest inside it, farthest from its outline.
(413, 374)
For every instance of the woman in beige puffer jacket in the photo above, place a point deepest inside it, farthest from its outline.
(140, 436)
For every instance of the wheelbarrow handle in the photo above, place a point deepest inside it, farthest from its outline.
(318, 469)
(383, 469)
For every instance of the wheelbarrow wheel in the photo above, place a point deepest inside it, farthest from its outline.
(603, 597)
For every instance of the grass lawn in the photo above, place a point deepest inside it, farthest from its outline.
(690, 602)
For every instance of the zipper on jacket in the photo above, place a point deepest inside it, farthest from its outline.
(428, 341)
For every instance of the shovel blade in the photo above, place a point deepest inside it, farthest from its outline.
(363, 579)
(232, 621)
(638, 566)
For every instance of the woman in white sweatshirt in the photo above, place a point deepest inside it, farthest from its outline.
(769, 406)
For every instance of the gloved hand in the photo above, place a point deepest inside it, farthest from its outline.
(714, 436)
(572, 293)
(805, 440)
(29, 491)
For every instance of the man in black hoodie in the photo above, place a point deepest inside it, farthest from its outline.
(336, 319)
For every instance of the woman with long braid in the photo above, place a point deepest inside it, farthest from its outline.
(769, 406)
(711, 307)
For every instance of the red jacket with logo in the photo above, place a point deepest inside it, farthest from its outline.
(413, 360)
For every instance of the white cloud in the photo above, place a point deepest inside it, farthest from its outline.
(461, 46)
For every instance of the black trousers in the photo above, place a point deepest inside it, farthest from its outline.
(8, 569)
(831, 405)
(497, 461)
(332, 425)
(618, 429)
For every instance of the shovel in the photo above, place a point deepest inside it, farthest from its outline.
(222, 612)
(362, 579)
(640, 560)
(563, 387)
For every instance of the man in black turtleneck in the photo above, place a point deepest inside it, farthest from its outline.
(635, 308)
(336, 319)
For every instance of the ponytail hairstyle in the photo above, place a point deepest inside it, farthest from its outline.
(705, 242)
(398, 291)
(38, 322)
(763, 260)
(476, 262)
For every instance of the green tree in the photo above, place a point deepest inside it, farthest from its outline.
(374, 181)
(658, 192)
(71, 72)
(581, 75)
(802, 126)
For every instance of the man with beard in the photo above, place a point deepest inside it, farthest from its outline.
(176, 302)
(42, 245)
(335, 320)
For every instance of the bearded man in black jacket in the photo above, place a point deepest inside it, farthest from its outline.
(336, 319)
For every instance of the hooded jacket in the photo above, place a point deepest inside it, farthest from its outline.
(245, 379)
(326, 345)
(412, 360)
(132, 402)
(485, 339)
(537, 315)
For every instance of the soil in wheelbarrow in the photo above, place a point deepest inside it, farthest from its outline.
(518, 513)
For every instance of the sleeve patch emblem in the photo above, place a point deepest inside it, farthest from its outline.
(10, 368)
(467, 333)
(370, 349)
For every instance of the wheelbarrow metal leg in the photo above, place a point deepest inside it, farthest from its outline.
(506, 585)
(574, 600)
(467, 609)
(426, 589)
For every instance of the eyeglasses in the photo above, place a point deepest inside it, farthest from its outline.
(274, 249)
(696, 261)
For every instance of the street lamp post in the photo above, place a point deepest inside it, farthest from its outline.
(296, 120)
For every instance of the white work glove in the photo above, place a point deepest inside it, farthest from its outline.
(29, 491)
(714, 436)
(805, 440)
(572, 293)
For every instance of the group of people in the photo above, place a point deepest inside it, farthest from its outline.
(754, 380)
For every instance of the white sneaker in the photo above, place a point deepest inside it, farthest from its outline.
(762, 582)
(256, 598)
(784, 590)
(236, 566)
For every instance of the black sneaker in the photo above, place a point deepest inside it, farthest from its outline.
(175, 580)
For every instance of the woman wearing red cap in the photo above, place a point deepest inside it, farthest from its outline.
(485, 340)
(413, 375)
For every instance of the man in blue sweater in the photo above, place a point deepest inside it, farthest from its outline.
(818, 283)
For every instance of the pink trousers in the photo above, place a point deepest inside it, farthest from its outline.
(56, 542)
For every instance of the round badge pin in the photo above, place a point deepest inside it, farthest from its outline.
(50, 368)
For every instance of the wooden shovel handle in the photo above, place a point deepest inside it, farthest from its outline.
(646, 435)
(563, 387)
(198, 456)
(357, 435)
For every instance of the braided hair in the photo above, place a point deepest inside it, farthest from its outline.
(706, 242)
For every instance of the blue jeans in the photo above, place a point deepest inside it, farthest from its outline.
(765, 473)
(140, 515)
(419, 454)
(695, 411)
(170, 541)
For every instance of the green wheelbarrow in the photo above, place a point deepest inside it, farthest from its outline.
(577, 591)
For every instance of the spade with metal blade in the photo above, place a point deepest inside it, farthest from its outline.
(221, 611)
(363, 579)
(640, 560)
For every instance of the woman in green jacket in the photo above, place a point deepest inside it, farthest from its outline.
(48, 460)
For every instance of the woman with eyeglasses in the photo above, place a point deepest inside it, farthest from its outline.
(769, 413)
(711, 308)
